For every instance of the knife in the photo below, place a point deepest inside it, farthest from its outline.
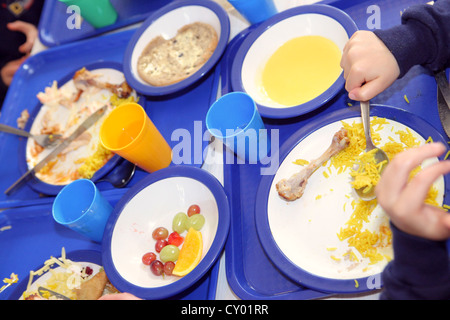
(44, 292)
(82, 128)
(443, 100)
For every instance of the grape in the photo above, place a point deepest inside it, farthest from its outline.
(160, 244)
(196, 221)
(193, 209)
(157, 267)
(168, 267)
(160, 233)
(179, 222)
(175, 239)
(148, 258)
(169, 253)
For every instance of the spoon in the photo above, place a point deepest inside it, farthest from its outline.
(379, 155)
(121, 174)
(44, 140)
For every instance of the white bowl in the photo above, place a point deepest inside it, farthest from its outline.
(166, 22)
(153, 203)
(261, 44)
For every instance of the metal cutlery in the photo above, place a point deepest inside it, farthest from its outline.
(44, 140)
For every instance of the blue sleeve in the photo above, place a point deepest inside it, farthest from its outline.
(420, 269)
(423, 37)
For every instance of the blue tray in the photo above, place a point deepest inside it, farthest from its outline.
(34, 236)
(250, 273)
(53, 28)
(180, 113)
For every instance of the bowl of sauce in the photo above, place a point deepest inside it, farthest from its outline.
(290, 64)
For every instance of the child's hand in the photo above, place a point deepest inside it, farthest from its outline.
(9, 70)
(369, 66)
(403, 201)
(119, 296)
(30, 32)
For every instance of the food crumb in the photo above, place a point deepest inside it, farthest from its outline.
(22, 120)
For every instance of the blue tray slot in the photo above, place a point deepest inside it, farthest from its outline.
(54, 28)
(250, 273)
(185, 110)
(30, 236)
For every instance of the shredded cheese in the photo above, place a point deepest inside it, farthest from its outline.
(61, 282)
(5, 228)
(13, 278)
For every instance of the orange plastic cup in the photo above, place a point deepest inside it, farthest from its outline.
(130, 133)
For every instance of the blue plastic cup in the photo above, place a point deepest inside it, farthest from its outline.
(81, 207)
(235, 120)
(255, 11)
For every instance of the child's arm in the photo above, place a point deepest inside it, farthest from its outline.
(372, 61)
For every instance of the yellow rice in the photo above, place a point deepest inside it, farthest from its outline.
(92, 164)
(301, 162)
(367, 242)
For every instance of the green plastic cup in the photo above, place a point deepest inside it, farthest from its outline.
(99, 13)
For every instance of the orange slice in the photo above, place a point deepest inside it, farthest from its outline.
(190, 253)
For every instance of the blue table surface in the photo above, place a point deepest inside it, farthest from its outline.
(56, 26)
(248, 280)
(184, 111)
(29, 236)
(250, 272)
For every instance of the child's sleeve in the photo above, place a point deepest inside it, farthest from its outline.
(420, 269)
(423, 38)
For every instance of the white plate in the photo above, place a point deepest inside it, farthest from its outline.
(83, 258)
(153, 207)
(61, 115)
(297, 235)
(166, 22)
(305, 228)
(153, 203)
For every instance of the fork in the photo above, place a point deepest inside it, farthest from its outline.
(44, 140)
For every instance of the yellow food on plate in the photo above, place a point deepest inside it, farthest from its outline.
(368, 172)
(301, 69)
(190, 253)
(92, 164)
(75, 280)
(371, 244)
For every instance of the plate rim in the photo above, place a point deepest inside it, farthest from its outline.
(274, 253)
(50, 189)
(280, 113)
(207, 261)
(150, 90)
